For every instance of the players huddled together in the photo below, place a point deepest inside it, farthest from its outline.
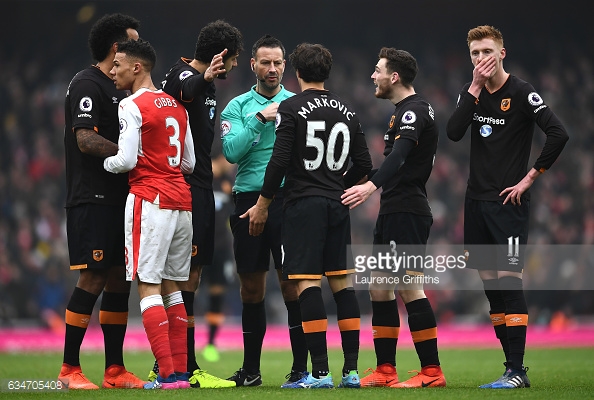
(139, 171)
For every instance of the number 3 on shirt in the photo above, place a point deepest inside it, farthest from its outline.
(316, 142)
(171, 122)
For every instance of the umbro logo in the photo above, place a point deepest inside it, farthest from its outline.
(515, 319)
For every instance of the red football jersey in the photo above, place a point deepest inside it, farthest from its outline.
(156, 146)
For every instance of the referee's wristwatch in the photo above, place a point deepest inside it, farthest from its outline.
(261, 117)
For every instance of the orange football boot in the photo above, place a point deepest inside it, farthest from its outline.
(384, 375)
(430, 376)
(116, 377)
(73, 378)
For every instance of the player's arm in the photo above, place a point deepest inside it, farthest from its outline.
(358, 194)
(361, 159)
(555, 142)
(188, 161)
(195, 85)
(238, 134)
(91, 143)
(129, 139)
(461, 118)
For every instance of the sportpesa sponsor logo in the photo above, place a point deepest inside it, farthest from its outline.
(489, 120)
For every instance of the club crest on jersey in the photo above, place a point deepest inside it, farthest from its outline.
(486, 130)
(505, 104)
(392, 121)
(185, 74)
(86, 104)
(534, 99)
(97, 255)
(225, 127)
(123, 124)
(409, 117)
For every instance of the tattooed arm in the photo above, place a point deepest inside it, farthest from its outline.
(89, 142)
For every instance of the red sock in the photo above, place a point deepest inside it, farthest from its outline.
(156, 326)
(178, 339)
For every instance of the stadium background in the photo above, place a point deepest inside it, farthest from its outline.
(44, 44)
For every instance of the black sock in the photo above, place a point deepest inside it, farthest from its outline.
(78, 314)
(349, 323)
(253, 322)
(516, 319)
(188, 298)
(113, 317)
(296, 336)
(423, 329)
(497, 313)
(385, 322)
(215, 309)
(315, 325)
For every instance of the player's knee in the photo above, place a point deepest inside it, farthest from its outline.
(289, 290)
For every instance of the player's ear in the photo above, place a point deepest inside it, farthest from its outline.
(394, 77)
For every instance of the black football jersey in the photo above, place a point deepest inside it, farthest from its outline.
(92, 103)
(202, 113)
(501, 130)
(317, 136)
(405, 191)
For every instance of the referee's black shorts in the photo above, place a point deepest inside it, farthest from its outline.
(496, 234)
(252, 253)
(316, 232)
(95, 236)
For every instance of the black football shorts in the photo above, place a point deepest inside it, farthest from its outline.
(316, 232)
(95, 236)
(495, 234)
(252, 253)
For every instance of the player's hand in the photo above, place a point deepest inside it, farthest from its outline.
(514, 193)
(357, 194)
(483, 70)
(217, 66)
(257, 216)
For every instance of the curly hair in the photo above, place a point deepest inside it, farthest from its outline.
(215, 37)
(400, 61)
(109, 29)
(312, 61)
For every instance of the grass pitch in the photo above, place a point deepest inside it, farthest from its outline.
(554, 373)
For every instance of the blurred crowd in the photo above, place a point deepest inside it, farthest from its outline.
(35, 280)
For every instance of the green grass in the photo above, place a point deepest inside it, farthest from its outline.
(555, 373)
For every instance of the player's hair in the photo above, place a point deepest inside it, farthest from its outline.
(400, 61)
(215, 37)
(109, 29)
(313, 61)
(267, 41)
(141, 50)
(483, 32)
